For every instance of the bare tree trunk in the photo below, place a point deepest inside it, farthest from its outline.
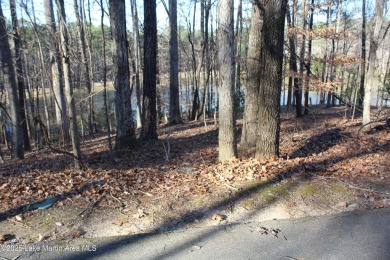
(212, 69)
(331, 65)
(363, 57)
(74, 135)
(324, 74)
(268, 128)
(293, 81)
(385, 87)
(302, 58)
(309, 49)
(30, 103)
(208, 70)
(226, 139)
(125, 136)
(195, 85)
(250, 122)
(45, 101)
(343, 66)
(355, 96)
(202, 75)
(149, 113)
(84, 62)
(36, 104)
(374, 44)
(174, 105)
(205, 40)
(105, 78)
(283, 103)
(56, 71)
(337, 30)
(197, 68)
(19, 74)
(11, 87)
(239, 28)
(136, 41)
(88, 44)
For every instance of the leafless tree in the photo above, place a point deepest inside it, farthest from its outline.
(226, 139)
(125, 136)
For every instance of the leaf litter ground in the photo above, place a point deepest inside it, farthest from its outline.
(326, 166)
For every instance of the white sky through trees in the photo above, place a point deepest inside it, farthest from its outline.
(185, 12)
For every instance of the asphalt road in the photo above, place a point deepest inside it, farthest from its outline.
(353, 235)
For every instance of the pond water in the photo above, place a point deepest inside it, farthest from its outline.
(315, 97)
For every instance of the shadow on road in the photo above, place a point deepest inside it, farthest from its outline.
(167, 226)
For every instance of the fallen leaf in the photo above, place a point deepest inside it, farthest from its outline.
(40, 238)
(196, 248)
(78, 233)
(342, 204)
(3, 186)
(218, 217)
(19, 217)
(118, 223)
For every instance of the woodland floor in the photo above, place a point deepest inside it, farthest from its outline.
(327, 166)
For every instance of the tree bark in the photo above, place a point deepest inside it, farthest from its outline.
(19, 75)
(363, 57)
(84, 63)
(174, 105)
(249, 129)
(302, 59)
(330, 71)
(239, 28)
(149, 112)
(197, 67)
(30, 104)
(137, 57)
(271, 77)
(293, 80)
(226, 140)
(208, 66)
(191, 38)
(374, 44)
(11, 87)
(125, 136)
(205, 58)
(308, 65)
(108, 125)
(56, 71)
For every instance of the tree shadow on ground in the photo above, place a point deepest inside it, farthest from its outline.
(184, 220)
(316, 118)
(320, 143)
(132, 159)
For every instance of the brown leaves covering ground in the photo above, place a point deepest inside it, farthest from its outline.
(323, 144)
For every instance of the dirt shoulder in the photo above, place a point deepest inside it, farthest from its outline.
(327, 166)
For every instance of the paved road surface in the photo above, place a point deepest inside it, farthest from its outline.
(353, 235)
